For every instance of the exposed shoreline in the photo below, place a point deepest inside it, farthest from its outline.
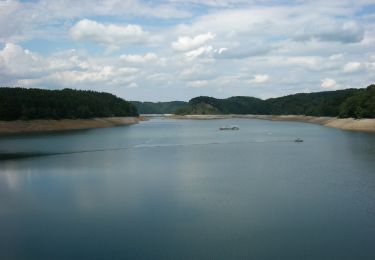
(33, 126)
(351, 124)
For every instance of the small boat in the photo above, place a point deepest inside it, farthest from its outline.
(229, 127)
(298, 140)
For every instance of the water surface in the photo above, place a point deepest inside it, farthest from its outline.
(182, 189)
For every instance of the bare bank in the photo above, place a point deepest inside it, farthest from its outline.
(29, 126)
(366, 125)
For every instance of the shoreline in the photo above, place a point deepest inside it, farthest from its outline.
(46, 125)
(349, 124)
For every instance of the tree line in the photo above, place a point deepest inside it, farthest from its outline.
(158, 107)
(356, 103)
(27, 104)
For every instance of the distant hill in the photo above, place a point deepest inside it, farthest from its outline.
(158, 107)
(360, 105)
(233, 105)
(26, 104)
(357, 103)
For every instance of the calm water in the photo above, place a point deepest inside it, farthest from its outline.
(168, 189)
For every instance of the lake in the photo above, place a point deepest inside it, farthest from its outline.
(182, 189)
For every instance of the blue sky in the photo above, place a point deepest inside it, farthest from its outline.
(176, 50)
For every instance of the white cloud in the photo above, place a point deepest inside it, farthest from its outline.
(328, 83)
(242, 52)
(66, 69)
(191, 55)
(213, 3)
(330, 30)
(112, 34)
(132, 85)
(197, 84)
(17, 61)
(197, 72)
(107, 75)
(186, 43)
(139, 58)
(259, 78)
(227, 44)
(352, 67)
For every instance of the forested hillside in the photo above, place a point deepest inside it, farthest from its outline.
(158, 107)
(360, 105)
(357, 103)
(233, 105)
(327, 103)
(22, 103)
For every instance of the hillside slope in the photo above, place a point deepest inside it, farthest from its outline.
(356, 103)
(27, 104)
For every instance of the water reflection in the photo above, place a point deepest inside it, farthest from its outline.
(9, 179)
(183, 189)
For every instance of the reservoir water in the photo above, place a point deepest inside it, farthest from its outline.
(182, 189)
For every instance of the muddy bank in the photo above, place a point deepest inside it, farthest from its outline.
(367, 125)
(20, 126)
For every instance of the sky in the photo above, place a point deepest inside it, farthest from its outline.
(175, 49)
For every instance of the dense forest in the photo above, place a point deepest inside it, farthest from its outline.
(357, 103)
(158, 107)
(360, 105)
(26, 104)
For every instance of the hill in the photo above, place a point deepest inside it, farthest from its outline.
(158, 107)
(357, 103)
(233, 105)
(27, 104)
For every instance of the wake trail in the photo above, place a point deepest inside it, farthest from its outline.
(143, 145)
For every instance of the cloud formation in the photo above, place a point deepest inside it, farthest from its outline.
(351, 67)
(260, 78)
(112, 34)
(148, 57)
(329, 83)
(174, 49)
(185, 43)
(345, 32)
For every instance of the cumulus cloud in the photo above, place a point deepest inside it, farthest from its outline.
(16, 61)
(65, 69)
(328, 83)
(112, 34)
(107, 75)
(186, 43)
(259, 78)
(197, 84)
(323, 30)
(352, 67)
(191, 55)
(213, 3)
(229, 44)
(241, 52)
(139, 58)
(197, 72)
(132, 85)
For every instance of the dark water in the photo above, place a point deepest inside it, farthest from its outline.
(168, 189)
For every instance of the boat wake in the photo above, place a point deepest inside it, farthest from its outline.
(143, 145)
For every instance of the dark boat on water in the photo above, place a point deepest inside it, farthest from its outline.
(229, 127)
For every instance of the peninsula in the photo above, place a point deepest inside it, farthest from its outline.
(39, 110)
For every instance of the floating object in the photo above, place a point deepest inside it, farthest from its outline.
(298, 140)
(229, 127)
